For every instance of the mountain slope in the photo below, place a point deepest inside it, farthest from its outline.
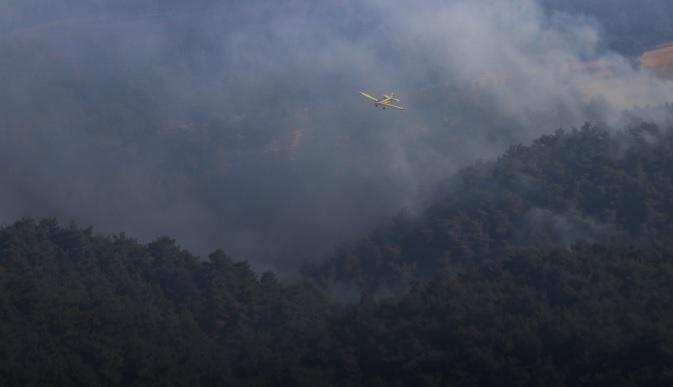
(551, 266)
(588, 184)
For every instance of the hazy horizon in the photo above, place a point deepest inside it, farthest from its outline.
(239, 126)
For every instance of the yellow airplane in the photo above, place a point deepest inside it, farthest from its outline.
(385, 101)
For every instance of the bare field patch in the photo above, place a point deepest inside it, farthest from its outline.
(659, 60)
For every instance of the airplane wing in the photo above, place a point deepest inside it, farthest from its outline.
(393, 106)
(368, 96)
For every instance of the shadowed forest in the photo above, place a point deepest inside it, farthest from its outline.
(551, 266)
(194, 193)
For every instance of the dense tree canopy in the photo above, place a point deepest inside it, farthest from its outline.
(552, 265)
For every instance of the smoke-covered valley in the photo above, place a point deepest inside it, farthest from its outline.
(238, 124)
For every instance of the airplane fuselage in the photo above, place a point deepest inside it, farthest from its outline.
(381, 102)
(384, 102)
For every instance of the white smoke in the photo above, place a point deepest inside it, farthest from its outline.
(239, 125)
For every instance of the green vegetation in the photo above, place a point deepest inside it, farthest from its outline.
(552, 265)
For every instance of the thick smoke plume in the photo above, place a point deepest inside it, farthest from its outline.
(238, 124)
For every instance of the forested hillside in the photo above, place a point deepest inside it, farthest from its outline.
(552, 265)
(586, 184)
(238, 123)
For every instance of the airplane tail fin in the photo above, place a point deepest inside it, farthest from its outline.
(391, 96)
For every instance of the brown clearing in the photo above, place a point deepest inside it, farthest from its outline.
(659, 60)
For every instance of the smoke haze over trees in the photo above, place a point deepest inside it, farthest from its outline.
(238, 124)
(627, 28)
(512, 227)
(488, 287)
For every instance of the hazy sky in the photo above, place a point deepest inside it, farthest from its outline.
(238, 124)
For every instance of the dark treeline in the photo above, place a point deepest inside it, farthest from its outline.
(587, 184)
(552, 265)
